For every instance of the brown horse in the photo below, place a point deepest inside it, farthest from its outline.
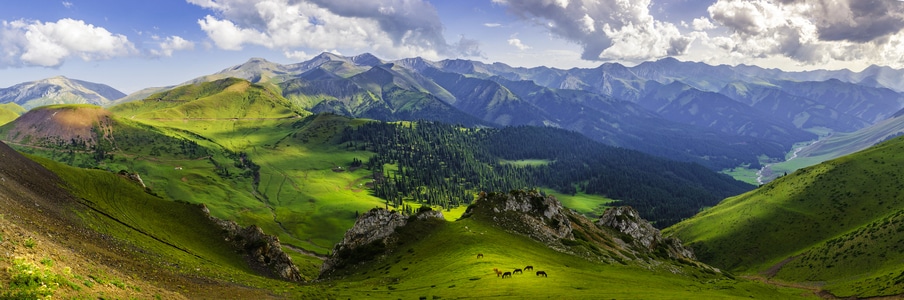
(529, 268)
(479, 255)
(541, 273)
(507, 274)
(517, 271)
(497, 272)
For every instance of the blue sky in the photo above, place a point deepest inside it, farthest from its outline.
(132, 44)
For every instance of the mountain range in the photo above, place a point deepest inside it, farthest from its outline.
(367, 178)
(722, 117)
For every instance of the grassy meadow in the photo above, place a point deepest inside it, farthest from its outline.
(444, 265)
(832, 224)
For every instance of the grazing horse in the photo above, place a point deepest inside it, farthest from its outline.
(479, 255)
(497, 272)
(517, 271)
(531, 268)
(507, 274)
(541, 273)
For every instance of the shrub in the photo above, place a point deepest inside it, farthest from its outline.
(28, 281)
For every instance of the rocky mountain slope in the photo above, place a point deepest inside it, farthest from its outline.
(59, 90)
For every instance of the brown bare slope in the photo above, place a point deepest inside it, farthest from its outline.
(56, 124)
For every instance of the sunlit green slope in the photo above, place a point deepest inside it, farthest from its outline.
(441, 263)
(836, 225)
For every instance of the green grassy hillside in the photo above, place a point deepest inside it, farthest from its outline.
(77, 234)
(835, 225)
(146, 247)
(9, 112)
(442, 264)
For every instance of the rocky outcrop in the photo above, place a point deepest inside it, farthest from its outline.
(641, 235)
(374, 234)
(526, 212)
(374, 225)
(262, 251)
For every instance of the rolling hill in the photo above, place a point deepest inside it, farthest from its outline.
(836, 224)
(9, 112)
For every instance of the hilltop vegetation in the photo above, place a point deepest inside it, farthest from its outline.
(837, 222)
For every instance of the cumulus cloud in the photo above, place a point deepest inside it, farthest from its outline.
(35, 43)
(516, 42)
(812, 31)
(702, 24)
(172, 44)
(390, 27)
(606, 29)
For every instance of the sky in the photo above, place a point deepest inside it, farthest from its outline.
(134, 44)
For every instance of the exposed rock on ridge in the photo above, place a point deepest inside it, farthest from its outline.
(526, 212)
(262, 251)
(374, 234)
(626, 220)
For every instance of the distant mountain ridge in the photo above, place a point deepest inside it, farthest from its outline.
(59, 90)
(719, 116)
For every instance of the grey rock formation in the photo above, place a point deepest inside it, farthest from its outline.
(626, 220)
(526, 212)
(372, 235)
(262, 251)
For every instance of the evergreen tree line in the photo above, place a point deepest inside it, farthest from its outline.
(445, 165)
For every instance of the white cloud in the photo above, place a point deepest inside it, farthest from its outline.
(172, 44)
(605, 29)
(297, 55)
(34, 43)
(812, 32)
(392, 28)
(703, 24)
(67, 4)
(517, 43)
(492, 25)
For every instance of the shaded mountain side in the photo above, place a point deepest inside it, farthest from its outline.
(867, 103)
(612, 122)
(833, 222)
(681, 103)
(803, 112)
(59, 90)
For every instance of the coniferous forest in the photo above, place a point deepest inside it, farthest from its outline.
(445, 165)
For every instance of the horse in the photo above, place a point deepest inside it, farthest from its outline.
(517, 271)
(507, 274)
(529, 268)
(497, 272)
(541, 273)
(479, 255)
